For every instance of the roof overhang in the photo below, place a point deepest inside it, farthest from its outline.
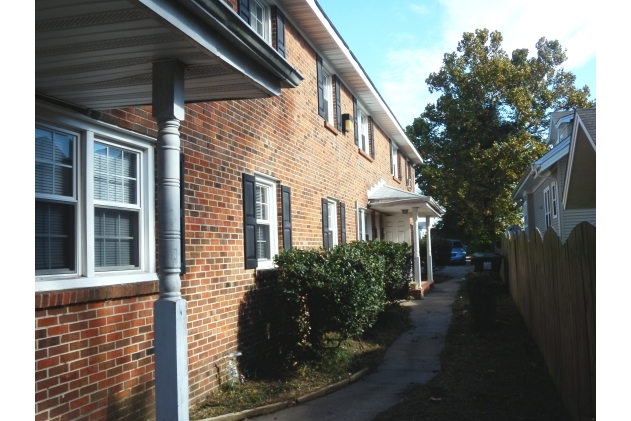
(392, 201)
(99, 55)
(580, 182)
(326, 40)
(540, 167)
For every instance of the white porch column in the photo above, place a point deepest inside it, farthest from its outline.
(171, 350)
(430, 271)
(417, 255)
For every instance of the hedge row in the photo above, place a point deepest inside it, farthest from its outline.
(341, 290)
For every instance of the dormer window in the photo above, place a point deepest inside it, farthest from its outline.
(564, 130)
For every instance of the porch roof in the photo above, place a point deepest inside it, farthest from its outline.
(99, 54)
(391, 200)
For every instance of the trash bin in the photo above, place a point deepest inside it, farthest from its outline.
(486, 262)
(482, 288)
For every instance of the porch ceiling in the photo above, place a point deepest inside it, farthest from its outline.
(99, 54)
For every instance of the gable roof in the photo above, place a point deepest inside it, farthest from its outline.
(579, 191)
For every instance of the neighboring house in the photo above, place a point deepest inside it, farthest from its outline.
(179, 145)
(559, 190)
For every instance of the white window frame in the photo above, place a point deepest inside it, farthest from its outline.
(394, 151)
(266, 35)
(87, 132)
(271, 221)
(333, 222)
(525, 213)
(327, 78)
(546, 206)
(363, 130)
(554, 200)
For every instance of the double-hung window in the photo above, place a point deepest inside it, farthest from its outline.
(394, 160)
(94, 218)
(547, 206)
(553, 199)
(266, 224)
(329, 223)
(260, 18)
(362, 128)
(325, 91)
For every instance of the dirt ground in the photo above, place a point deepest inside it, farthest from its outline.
(487, 374)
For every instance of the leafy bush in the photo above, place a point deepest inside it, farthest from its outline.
(340, 290)
(441, 250)
(398, 268)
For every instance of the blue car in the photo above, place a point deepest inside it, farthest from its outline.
(458, 253)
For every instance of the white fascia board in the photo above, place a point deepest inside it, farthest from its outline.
(572, 150)
(342, 60)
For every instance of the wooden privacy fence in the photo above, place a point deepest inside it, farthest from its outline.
(554, 287)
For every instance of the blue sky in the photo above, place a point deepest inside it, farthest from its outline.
(400, 42)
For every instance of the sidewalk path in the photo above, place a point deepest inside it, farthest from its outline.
(412, 358)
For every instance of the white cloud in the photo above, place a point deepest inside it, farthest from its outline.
(419, 9)
(521, 24)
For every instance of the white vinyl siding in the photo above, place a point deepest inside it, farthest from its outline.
(573, 217)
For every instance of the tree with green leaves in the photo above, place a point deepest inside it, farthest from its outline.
(485, 129)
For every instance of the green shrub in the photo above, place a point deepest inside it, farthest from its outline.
(398, 268)
(339, 290)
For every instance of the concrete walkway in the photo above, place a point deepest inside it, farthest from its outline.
(412, 358)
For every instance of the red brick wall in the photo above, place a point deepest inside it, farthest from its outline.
(94, 352)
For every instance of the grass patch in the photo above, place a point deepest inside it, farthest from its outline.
(487, 374)
(268, 383)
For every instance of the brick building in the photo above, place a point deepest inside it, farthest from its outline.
(283, 142)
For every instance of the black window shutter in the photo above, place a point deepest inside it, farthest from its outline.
(371, 137)
(244, 10)
(355, 123)
(280, 32)
(249, 220)
(286, 205)
(182, 219)
(342, 223)
(325, 224)
(320, 86)
(338, 103)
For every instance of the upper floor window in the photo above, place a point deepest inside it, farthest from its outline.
(257, 14)
(362, 130)
(325, 91)
(394, 160)
(547, 206)
(93, 207)
(553, 199)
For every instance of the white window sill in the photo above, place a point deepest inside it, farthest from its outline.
(46, 284)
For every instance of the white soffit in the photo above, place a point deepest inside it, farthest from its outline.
(318, 30)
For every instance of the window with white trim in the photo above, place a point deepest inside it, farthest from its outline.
(553, 198)
(260, 18)
(332, 225)
(266, 223)
(394, 152)
(525, 212)
(93, 207)
(362, 129)
(328, 95)
(546, 206)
